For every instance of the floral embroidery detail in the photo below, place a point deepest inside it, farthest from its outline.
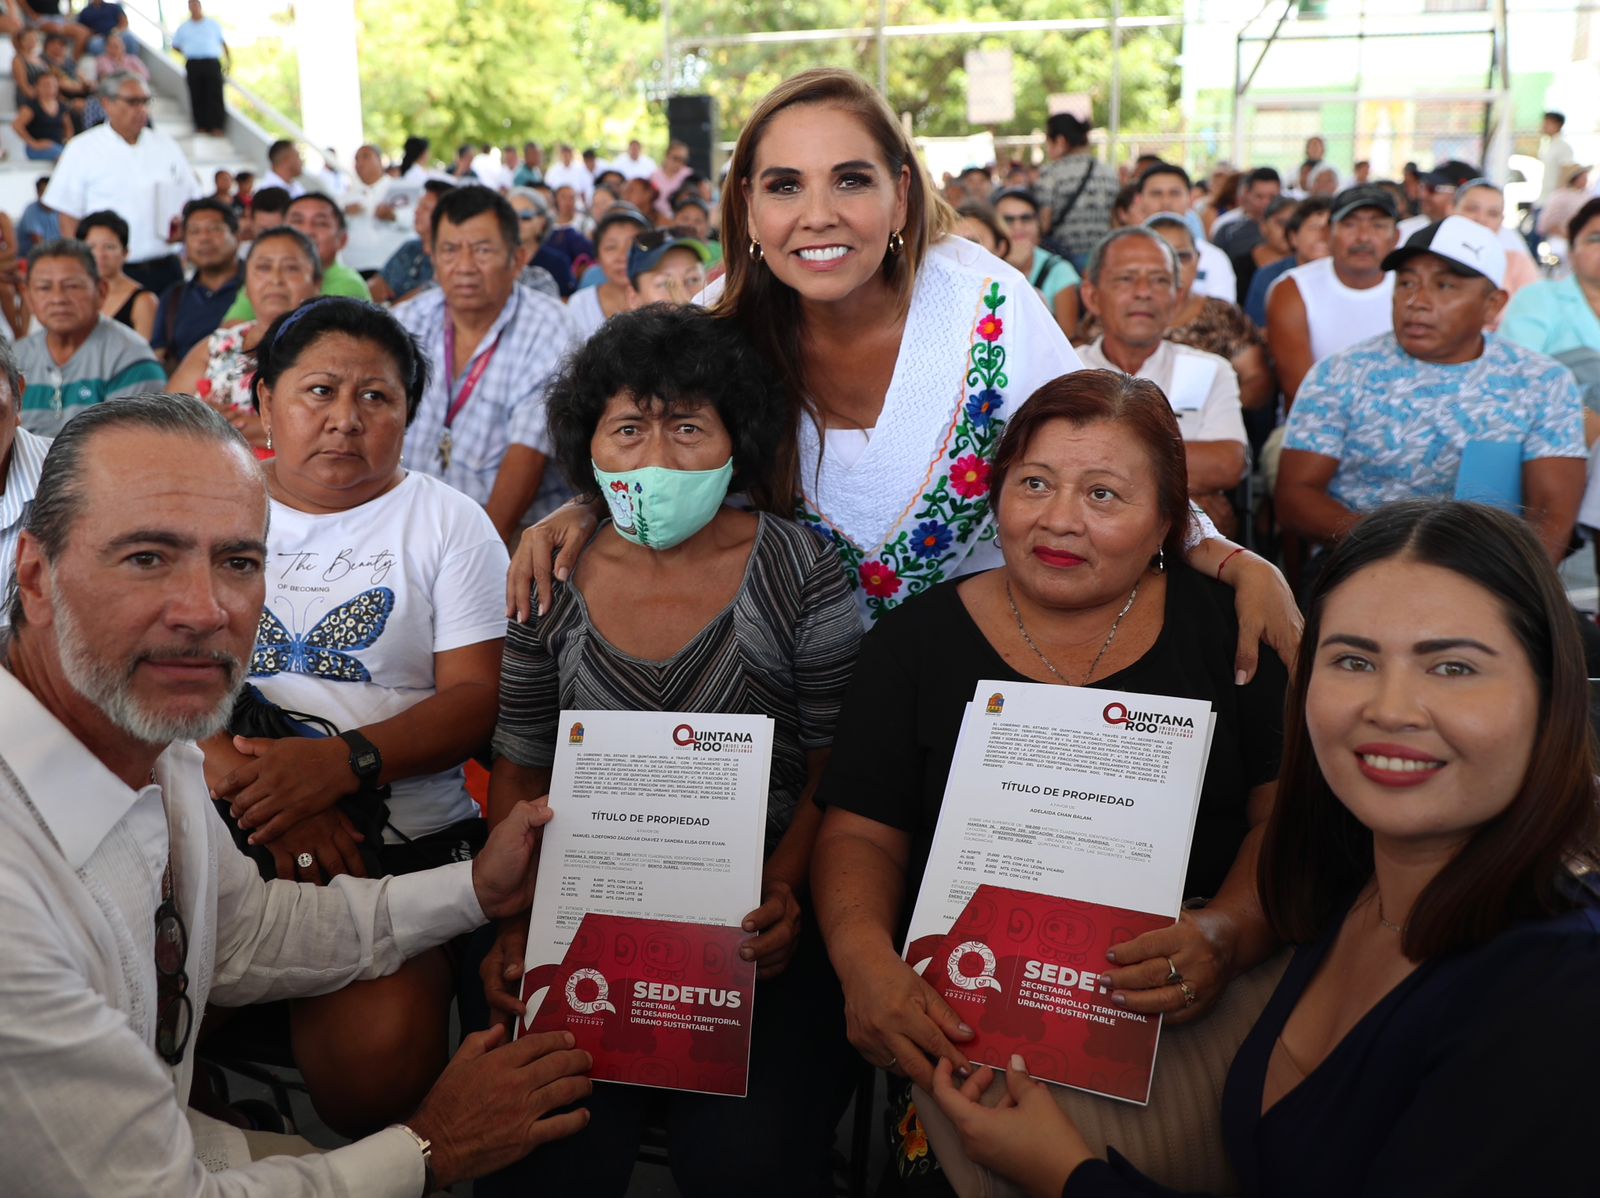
(982, 406)
(930, 539)
(879, 580)
(970, 477)
(936, 532)
(913, 1139)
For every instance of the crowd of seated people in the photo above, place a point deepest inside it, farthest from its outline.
(249, 490)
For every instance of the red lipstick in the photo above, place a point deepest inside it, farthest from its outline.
(1390, 765)
(1057, 559)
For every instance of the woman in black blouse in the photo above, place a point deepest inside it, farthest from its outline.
(681, 602)
(44, 124)
(1434, 855)
(1090, 490)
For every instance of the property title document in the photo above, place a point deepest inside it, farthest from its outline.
(1065, 828)
(1067, 792)
(658, 815)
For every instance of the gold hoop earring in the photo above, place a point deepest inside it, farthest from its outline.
(756, 252)
(896, 242)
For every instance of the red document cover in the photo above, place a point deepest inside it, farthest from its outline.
(656, 1003)
(1023, 970)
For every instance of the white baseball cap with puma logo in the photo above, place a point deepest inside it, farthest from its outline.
(1459, 241)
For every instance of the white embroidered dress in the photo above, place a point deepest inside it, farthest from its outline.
(912, 508)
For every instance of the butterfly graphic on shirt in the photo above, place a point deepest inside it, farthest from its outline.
(324, 651)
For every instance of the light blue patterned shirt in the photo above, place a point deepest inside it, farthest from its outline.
(534, 332)
(1397, 425)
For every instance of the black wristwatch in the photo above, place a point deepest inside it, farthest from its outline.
(366, 763)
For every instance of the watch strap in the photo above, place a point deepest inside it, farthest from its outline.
(366, 763)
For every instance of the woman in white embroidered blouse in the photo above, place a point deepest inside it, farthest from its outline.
(901, 346)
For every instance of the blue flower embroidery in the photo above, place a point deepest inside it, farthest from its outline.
(930, 539)
(983, 405)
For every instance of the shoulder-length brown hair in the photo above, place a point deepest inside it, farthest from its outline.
(770, 310)
(1316, 854)
(1088, 396)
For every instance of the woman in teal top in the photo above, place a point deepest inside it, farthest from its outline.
(1049, 273)
(1557, 316)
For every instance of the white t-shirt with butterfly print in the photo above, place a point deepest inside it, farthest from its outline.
(358, 602)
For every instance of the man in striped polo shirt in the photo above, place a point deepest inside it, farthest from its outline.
(78, 358)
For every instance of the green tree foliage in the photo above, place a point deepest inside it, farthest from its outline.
(496, 71)
(588, 71)
(927, 76)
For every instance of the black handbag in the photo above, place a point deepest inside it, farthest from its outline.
(255, 715)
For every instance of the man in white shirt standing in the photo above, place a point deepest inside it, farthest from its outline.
(1131, 283)
(635, 164)
(126, 907)
(137, 172)
(1554, 152)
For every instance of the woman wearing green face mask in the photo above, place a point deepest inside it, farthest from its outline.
(680, 602)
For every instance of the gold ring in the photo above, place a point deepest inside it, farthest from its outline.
(1188, 993)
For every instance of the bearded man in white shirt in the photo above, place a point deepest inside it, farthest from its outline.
(138, 586)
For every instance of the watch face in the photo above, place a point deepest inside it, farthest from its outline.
(366, 761)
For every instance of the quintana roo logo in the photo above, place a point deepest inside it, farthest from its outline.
(601, 1000)
(981, 981)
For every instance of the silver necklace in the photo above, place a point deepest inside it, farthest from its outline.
(1050, 665)
(1384, 923)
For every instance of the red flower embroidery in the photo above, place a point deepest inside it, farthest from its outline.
(203, 389)
(970, 477)
(879, 580)
(990, 327)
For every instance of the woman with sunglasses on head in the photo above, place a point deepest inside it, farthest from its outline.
(899, 348)
(549, 269)
(1433, 854)
(381, 621)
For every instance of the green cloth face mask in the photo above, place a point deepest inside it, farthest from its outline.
(659, 508)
